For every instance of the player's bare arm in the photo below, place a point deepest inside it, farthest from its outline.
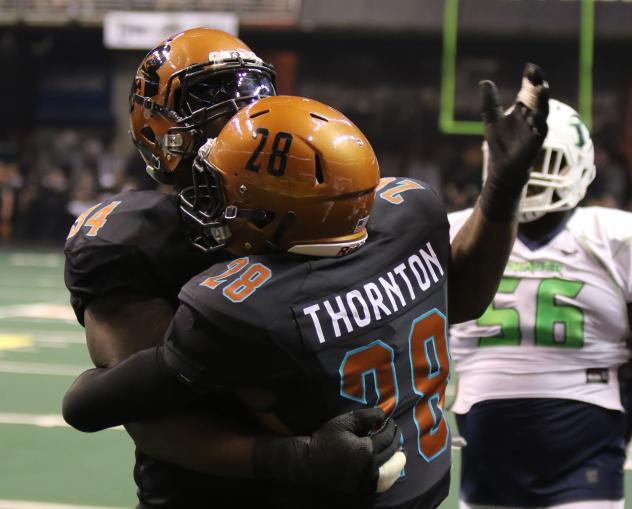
(127, 322)
(481, 248)
(124, 323)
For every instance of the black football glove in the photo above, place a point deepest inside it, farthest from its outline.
(357, 452)
(513, 140)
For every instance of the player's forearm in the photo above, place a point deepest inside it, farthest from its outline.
(481, 248)
(203, 443)
(479, 254)
(137, 388)
(353, 452)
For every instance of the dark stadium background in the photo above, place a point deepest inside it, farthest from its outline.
(64, 146)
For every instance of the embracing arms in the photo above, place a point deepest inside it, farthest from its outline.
(147, 395)
(121, 324)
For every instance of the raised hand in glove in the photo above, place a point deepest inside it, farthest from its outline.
(513, 141)
(356, 452)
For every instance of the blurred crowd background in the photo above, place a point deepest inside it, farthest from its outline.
(64, 145)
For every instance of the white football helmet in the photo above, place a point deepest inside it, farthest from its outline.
(564, 168)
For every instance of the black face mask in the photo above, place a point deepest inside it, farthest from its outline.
(224, 87)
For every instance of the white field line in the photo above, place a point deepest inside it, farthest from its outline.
(33, 286)
(40, 310)
(42, 421)
(26, 290)
(27, 504)
(19, 281)
(41, 337)
(37, 368)
(54, 345)
(39, 420)
(36, 260)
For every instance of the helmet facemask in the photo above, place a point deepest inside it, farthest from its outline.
(202, 204)
(555, 184)
(174, 114)
(563, 170)
(206, 99)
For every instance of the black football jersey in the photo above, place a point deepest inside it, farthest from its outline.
(135, 241)
(132, 241)
(329, 335)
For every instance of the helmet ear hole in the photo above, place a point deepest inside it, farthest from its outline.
(320, 178)
(148, 133)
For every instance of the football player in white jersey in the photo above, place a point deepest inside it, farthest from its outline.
(538, 398)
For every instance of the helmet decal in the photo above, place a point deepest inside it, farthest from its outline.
(582, 131)
(149, 69)
(286, 174)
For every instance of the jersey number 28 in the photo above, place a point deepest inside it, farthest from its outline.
(428, 362)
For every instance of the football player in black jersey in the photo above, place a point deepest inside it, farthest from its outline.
(128, 257)
(335, 303)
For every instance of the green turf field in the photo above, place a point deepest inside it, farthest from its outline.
(45, 464)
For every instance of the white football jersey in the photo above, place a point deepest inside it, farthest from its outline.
(559, 321)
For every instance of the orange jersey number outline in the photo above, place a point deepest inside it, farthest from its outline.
(245, 285)
(429, 361)
(393, 195)
(95, 221)
(233, 268)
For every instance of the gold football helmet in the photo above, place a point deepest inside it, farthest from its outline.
(286, 174)
(186, 89)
